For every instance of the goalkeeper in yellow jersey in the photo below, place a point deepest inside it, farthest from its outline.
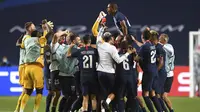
(30, 27)
(34, 62)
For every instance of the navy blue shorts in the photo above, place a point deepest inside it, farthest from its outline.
(67, 85)
(149, 81)
(128, 86)
(162, 76)
(106, 81)
(89, 87)
(55, 80)
(168, 84)
(47, 76)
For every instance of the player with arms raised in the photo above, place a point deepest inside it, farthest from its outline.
(30, 27)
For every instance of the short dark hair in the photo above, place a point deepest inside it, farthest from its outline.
(146, 34)
(87, 39)
(93, 39)
(36, 34)
(27, 25)
(73, 37)
(107, 36)
(124, 45)
(114, 6)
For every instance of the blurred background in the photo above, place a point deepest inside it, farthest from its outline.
(176, 18)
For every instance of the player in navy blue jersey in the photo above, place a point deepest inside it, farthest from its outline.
(162, 74)
(126, 73)
(87, 57)
(147, 60)
(121, 22)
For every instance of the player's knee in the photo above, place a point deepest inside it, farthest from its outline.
(164, 96)
(145, 93)
(93, 97)
(28, 91)
(39, 91)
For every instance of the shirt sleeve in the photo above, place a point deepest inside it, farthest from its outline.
(160, 52)
(120, 17)
(115, 55)
(99, 36)
(169, 49)
(95, 27)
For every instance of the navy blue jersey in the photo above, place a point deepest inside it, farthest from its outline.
(128, 66)
(87, 59)
(160, 52)
(118, 17)
(147, 54)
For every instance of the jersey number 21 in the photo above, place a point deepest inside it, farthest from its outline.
(87, 61)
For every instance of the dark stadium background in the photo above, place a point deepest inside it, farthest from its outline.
(175, 18)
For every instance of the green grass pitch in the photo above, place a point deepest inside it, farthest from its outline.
(180, 104)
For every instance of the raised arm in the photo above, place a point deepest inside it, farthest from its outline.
(19, 41)
(99, 36)
(96, 24)
(116, 57)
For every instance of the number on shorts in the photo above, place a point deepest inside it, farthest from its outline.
(153, 58)
(87, 61)
(126, 65)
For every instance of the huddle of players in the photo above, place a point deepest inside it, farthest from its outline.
(70, 68)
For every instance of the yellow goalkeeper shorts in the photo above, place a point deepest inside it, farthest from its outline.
(33, 77)
(21, 70)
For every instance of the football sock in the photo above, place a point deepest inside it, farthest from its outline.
(157, 104)
(148, 103)
(62, 103)
(144, 109)
(38, 99)
(48, 101)
(77, 104)
(163, 105)
(24, 101)
(19, 102)
(53, 109)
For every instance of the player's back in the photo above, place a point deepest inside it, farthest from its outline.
(32, 48)
(118, 17)
(106, 62)
(148, 57)
(127, 66)
(87, 60)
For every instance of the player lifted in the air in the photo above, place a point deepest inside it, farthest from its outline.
(121, 22)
